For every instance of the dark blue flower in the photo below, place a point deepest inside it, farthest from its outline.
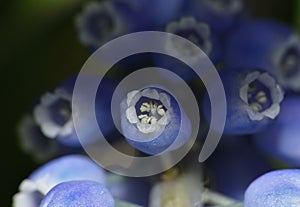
(152, 119)
(149, 15)
(78, 194)
(253, 101)
(54, 113)
(271, 46)
(221, 15)
(98, 23)
(229, 167)
(197, 32)
(282, 140)
(279, 188)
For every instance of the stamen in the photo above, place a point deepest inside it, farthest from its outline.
(146, 107)
(261, 97)
(154, 113)
(160, 110)
(256, 107)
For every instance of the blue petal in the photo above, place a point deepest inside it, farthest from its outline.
(221, 18)
(282, 141)
(147, 14)
(266, 45)
(71, 167)
(279, 188)
(238, 119)
(178, 126)
(78, 194)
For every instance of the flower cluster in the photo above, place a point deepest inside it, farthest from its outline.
(258, 62)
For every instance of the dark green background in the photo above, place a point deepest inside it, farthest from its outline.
(39, 48)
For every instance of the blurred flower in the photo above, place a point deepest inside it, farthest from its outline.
(98, 23)
(269, 45)
(253, 101)
(222, 16)
(282, 140)
(198, 33)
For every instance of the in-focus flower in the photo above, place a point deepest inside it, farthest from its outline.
(268, 45)
(221, 15)
(253, 101)
(67, 168)
(98, 23)
(78, 194)
(152, 119)
(282, 140)
(280, 188)
(198, 33)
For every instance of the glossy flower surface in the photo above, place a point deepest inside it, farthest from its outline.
(78, 194)
(279, 188)
(67, 168)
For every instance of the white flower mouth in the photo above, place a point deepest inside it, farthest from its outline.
(262, 95)
(196, 32)
(287, 62)
(153, 108)
(225, 6)
(44, 114)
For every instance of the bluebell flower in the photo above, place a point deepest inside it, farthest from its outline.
(222, 16)
(98, 23)
(78, 194)
(67, 168)
(280, 188)
(271, 46)
(229, 167)
(195, 31)
(149, 15)
(54, 113)
(152, 119)
(54, 116)
(253, 101)
(282, 140)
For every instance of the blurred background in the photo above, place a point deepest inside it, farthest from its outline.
(40, 48)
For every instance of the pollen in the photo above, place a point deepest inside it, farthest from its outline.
(261, 97)
(152, 112)
(256, 107)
